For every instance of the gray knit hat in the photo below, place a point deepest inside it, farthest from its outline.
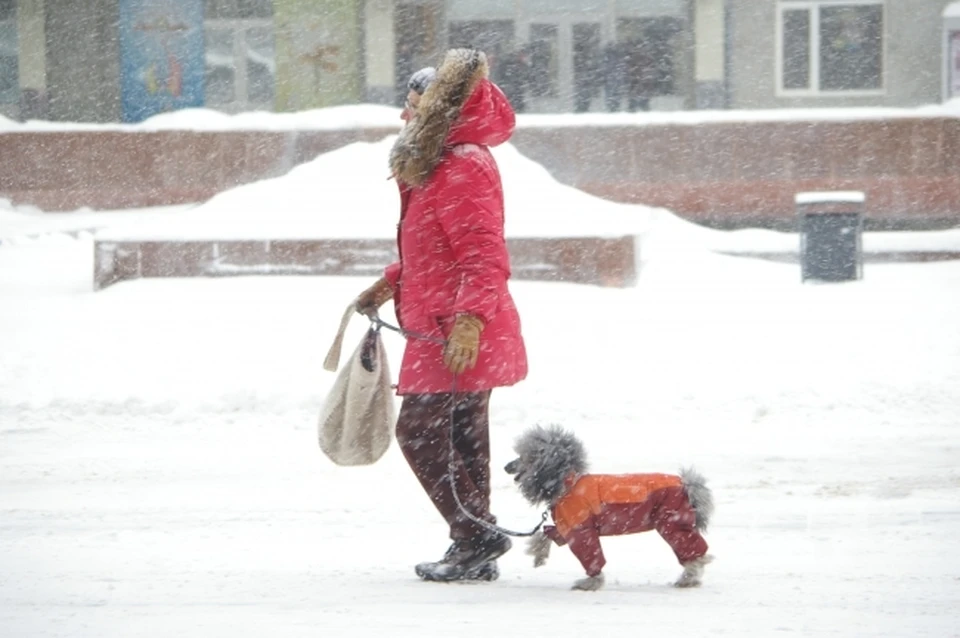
(420, 80)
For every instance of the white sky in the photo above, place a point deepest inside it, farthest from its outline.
(159, 471)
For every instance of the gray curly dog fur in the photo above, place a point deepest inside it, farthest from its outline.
(545, 457)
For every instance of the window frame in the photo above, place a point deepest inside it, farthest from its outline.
(239, 27)
(10, 23)
(813, 90)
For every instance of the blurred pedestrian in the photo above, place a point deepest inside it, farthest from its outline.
(641, 75)
(514, 78)
(614, 75)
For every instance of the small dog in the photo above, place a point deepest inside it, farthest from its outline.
(551, 469)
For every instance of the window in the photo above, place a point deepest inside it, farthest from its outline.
(238, 9)
(493, 37)
(416, 29)
(543, 60)
(830, 47)
(9, 55)
(261, 67)
(240, 57)
(653, 48)
(220, 67)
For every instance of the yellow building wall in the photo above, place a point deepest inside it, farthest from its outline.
(32, 43)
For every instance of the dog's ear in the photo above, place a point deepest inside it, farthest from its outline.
(512, 467)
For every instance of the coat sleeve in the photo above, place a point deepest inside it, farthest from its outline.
(470, 211)
(392, 274)
(550, 531)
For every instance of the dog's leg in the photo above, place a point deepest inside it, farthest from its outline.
(539, 547)
(692, 574)
(590, 583)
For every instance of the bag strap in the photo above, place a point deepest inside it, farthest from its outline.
(332, 360)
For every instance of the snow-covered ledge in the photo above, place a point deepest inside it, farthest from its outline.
(830, 197)
(602, 261)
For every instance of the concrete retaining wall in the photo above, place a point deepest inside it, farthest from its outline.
(736, 174)
(66, 170)
(728, 174)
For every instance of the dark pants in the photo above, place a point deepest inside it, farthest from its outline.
(423, 433)
(613, 95)
(638, 104)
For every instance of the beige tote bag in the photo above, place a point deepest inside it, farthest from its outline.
(358, 417)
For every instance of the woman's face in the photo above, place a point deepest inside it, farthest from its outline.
(410, 107)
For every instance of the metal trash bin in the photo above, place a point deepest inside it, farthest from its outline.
(831, 229)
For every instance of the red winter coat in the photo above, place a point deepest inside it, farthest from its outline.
(453, 255)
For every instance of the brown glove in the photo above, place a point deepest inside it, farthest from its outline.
(463, 344)
(373, 297)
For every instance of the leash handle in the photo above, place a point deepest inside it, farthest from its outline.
(378, 323)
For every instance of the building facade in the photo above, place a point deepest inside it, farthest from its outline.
(125, 60)
(826, 53)
(548, 55)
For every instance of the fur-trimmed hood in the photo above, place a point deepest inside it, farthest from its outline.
(548, 459)
(461, 106)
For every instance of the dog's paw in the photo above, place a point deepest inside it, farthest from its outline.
(692, 575)
(590, 583)
(539, 547)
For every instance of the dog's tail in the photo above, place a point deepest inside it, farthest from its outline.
(701, 498)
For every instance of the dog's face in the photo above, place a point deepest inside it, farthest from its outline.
(546, 456)
(520, 468)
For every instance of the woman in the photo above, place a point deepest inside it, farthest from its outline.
(450, 285)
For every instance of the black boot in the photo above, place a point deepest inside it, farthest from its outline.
(487, 571)
(468, 560)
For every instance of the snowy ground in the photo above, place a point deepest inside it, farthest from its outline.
(160, 476)
(159, 473)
